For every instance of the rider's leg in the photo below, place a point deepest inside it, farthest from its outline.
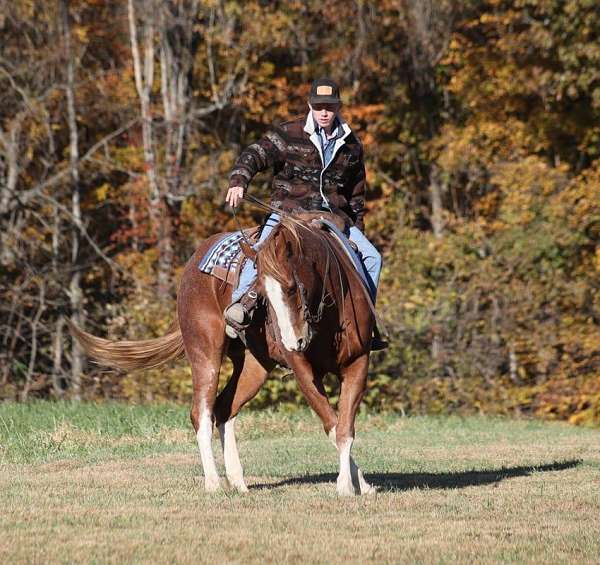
(237, 312)
(372, 262)
(247, 277)
(371, 258)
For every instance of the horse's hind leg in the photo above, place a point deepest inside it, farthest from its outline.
(205, 375)
(204, 340)
(350, 480)
(247, 378)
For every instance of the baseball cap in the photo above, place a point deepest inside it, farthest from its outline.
(324, 91)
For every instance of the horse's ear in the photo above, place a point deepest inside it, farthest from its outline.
(288, 249)
(248, 251)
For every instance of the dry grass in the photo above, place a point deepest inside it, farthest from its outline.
(477, 489)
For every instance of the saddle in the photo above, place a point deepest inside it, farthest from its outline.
(225, 259)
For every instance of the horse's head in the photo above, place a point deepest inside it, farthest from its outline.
(289, 279)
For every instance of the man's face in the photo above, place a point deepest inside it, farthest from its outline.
(324, 114)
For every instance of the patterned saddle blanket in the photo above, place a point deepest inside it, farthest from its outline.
(224, 259)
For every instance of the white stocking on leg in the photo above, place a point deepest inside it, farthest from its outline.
(204, 439)
(233, 466)
(344, 480)
(359, 483)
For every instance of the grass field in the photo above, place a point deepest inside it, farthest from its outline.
(112, 483)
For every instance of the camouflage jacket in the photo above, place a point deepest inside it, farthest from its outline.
(300, 182)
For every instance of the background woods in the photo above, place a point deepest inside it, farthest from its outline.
(119, 122)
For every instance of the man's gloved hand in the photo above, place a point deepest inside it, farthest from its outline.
(234, 195)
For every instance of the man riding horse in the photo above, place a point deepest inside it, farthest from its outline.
(311, 286)
(318, 165)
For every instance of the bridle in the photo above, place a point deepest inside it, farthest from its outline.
(305, 306)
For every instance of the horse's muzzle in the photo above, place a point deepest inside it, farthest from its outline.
(304, 341)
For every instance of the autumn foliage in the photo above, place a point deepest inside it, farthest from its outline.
(481, 126)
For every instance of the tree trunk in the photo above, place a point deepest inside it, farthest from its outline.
(10, 149)
(34, 341)
(75, 292)
(437, 208)
(57, 355)
(144, 77)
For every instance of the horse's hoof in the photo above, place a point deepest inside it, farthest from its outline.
(345, 488)
(367, 489)
(211, 484)
(237, 484)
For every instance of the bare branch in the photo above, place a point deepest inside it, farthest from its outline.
(24, 197)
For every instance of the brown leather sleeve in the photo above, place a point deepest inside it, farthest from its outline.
(267, 152)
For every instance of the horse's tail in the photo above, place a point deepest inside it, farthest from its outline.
(131, 355)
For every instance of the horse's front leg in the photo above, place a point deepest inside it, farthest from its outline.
(311, 385)
(353, 383)
(361, 486)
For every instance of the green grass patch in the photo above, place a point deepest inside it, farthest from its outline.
(110, 482)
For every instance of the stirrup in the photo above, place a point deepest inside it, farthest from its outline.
(238, 315)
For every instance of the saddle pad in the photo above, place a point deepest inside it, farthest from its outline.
(224, 258)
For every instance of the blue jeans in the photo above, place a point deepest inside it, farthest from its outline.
(371, 259)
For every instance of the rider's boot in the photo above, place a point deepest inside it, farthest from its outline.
(377, 342)
(239, 314)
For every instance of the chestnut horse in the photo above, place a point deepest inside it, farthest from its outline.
(308, 287)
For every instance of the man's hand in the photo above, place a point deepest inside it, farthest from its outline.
(234, 195)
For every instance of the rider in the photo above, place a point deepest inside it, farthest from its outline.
(318, 165)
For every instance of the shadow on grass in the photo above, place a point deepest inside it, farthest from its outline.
(389, 482)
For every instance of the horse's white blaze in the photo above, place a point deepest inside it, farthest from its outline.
(233, 467)
(282, 313)
(204, 439)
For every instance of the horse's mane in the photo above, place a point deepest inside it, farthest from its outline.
(267, 256)
(304, 236)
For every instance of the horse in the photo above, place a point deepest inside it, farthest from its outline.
(308, 287)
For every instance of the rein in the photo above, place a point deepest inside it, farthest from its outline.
(260, 205)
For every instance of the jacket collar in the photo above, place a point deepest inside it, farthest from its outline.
(309, 125)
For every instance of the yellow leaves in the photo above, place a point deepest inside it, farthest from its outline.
(102, 192)
(481, 141)
(80, 32)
